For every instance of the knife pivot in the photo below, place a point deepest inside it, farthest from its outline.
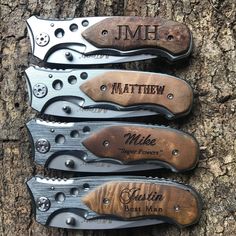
(42, 145)
(70, 221)
(42, 39)
(69, 56)
(43, 204)
(40, 90)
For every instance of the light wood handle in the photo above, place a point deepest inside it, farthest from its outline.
(129, 88)
(134, 143)
(139, 199)
(131, 33)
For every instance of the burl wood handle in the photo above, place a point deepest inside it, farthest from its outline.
(139, 199)
(135, 143)
(129, 88)
(131, 33)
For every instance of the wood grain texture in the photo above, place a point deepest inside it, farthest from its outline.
(132, 88)
(134, 143)
(132, 200)
(211, 72)
(131, 33)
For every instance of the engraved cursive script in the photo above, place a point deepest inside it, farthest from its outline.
(141, 32)
(128, 195)
(137, 88)
(138, 139)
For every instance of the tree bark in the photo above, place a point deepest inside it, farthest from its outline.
(211, 71)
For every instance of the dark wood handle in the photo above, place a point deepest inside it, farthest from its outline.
(128, 88)
(135, 143)
(133, 199)
(131, 33)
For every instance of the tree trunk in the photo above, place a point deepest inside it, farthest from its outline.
(211, 72)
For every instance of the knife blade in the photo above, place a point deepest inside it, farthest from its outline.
(113, 202)
(107, 93)
(111, 147)
(102, 40)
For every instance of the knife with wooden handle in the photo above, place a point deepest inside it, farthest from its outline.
(102, 40)
(101, 94)
(111, 147)
(113, 202)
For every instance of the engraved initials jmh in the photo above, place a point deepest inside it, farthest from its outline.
(141, 32)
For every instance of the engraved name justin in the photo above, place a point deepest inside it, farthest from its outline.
(133, 195)
(119, 88)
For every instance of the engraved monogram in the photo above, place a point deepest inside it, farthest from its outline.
(138, 139)
(128, 195)
(141, 32)
(137, 88)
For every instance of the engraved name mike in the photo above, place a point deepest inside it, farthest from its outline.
(119, 88)
(134, 194)
(138, 139)
(141, 32)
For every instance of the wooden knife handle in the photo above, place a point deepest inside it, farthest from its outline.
(129, 200)
(134, 143)
(131, 33)
(129, 88)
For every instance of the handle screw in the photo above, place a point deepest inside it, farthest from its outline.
(170, 96)
(177, 208)
(175, 152)
(69, 56)
(66, 109)
(70, 163)
(42, 145)
(106, 143)
(70, 221)
(106, 201)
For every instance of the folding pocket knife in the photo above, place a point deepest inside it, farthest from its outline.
(102, 40)
(111, 147)
(113, 202)
(107, 93)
